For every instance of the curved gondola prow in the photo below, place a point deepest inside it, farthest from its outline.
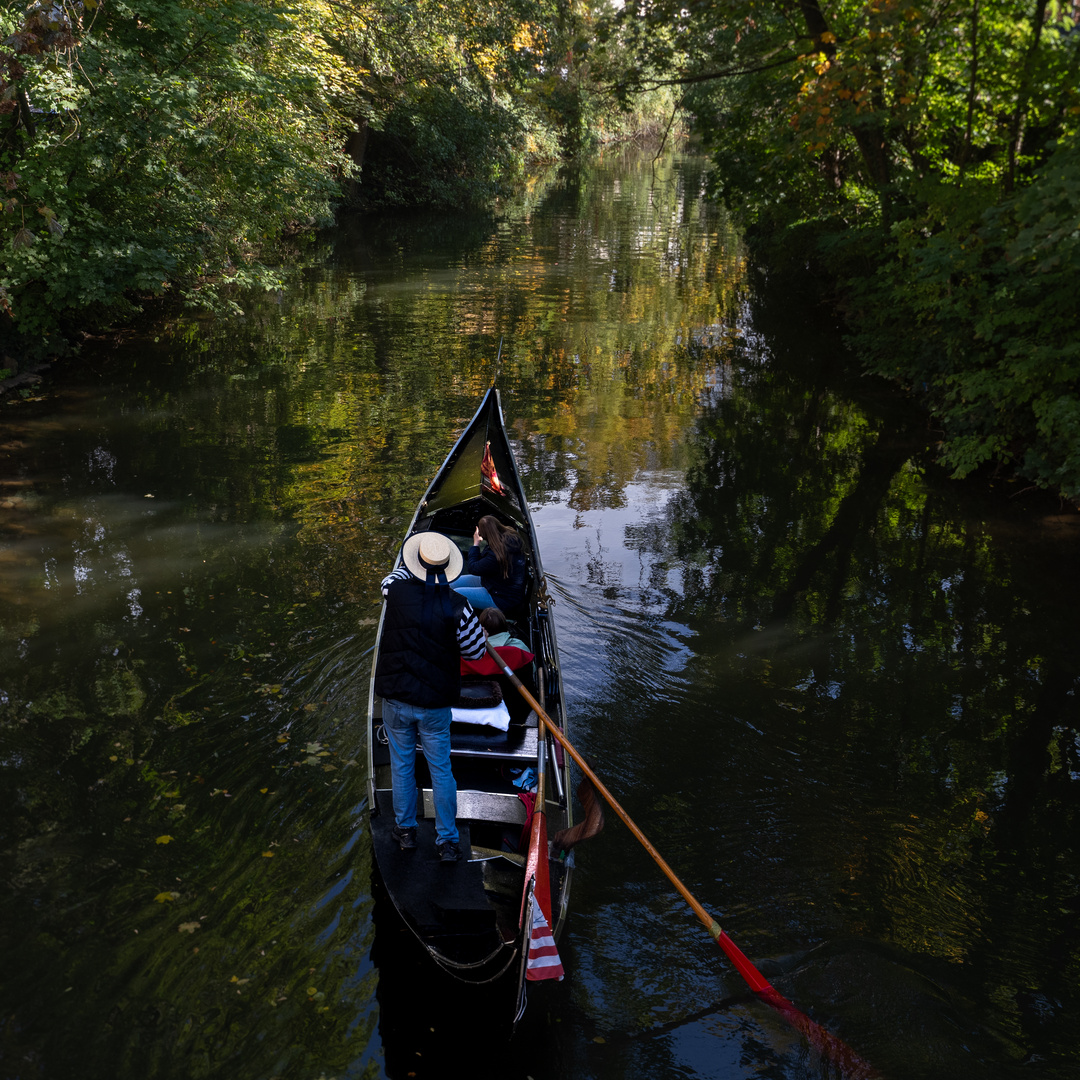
(480, 466)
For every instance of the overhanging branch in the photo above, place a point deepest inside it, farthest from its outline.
(709, 76)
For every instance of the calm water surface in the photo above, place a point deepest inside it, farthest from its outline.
(837, 690)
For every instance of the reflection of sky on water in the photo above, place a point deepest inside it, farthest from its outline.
(610, 592)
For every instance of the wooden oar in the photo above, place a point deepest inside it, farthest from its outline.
(823, 1041)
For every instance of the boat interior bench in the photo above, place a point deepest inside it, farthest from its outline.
(481, 758)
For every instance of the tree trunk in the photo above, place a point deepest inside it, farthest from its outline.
(870, 135)
(1023, 93)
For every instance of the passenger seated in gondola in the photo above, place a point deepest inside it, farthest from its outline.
(514, 653)
(500, 567)
(497, 630)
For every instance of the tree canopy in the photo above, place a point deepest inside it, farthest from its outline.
(168, 148)
(923, 155)
(156, 147)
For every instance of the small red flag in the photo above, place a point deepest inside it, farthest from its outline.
(487, 468)
(543, 961)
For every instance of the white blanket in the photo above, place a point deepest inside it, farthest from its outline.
(497, 717)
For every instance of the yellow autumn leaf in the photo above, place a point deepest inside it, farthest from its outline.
(163, 840)
(113, 757)
(268, 854)
(263, 791)
(166, 897)
(188, 927)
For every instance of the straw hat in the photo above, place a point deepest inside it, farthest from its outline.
(426, 551)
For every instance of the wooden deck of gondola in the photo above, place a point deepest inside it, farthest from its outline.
(439, 897)
(445, 903)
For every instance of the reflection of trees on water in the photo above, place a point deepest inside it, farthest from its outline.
(614, 300)
(839, 602)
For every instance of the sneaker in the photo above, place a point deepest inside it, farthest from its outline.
(448, 851)
(405, 837)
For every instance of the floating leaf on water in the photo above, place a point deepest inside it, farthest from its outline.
(311, 760)
(283, 738)
(268, 854)
(313, 748)
(171, 794)
(113, 757)
(263, 791)
(163, 840)
(188, 927)
(310, 708)
(166, 897)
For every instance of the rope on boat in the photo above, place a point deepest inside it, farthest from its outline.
(453, 967)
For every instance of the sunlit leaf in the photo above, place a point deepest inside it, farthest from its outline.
(166, 897)
(163, 840)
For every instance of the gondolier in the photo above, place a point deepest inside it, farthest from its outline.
(427, 629)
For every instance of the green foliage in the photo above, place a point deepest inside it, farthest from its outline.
(993, 309)
(458, 99)
(444, 147)
(905, 150)
(173, 144)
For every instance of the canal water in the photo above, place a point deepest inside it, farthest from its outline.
(836, 689)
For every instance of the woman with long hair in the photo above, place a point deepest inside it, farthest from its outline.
(501, 566)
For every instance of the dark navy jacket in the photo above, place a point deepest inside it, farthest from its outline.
(420, 650)
(507, 592)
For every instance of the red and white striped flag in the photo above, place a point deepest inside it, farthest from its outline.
(543, 961)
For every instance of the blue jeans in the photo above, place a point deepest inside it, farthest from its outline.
(404, 725)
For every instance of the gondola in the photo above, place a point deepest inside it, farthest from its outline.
(477, 918)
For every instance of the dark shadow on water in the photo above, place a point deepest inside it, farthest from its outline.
(433, 1025)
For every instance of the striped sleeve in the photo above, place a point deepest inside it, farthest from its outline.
(470, 634)
(400, 574)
